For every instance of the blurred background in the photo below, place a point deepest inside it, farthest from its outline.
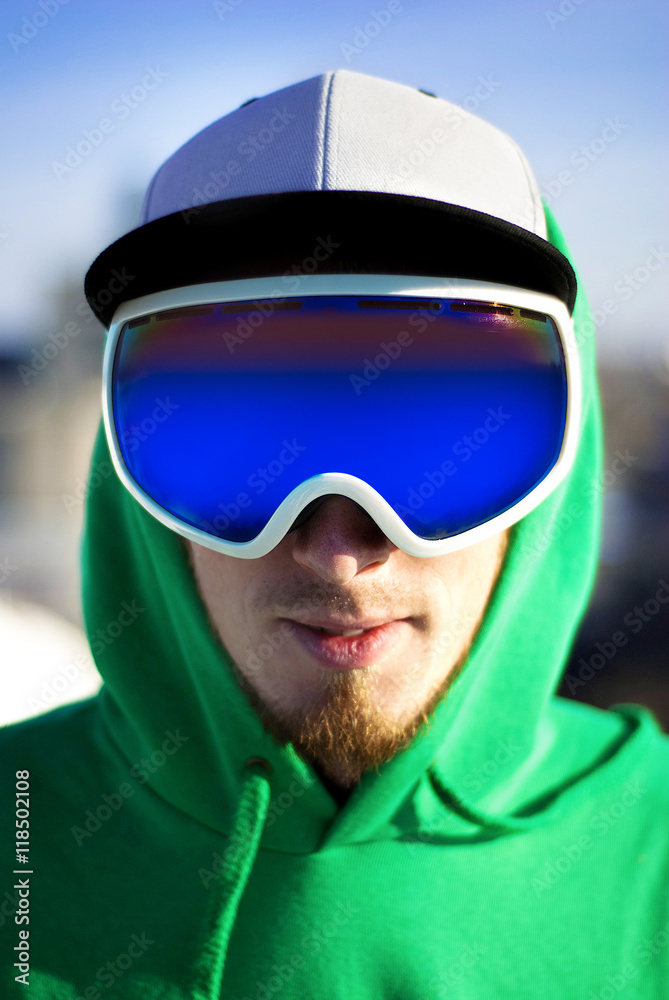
(579, 84)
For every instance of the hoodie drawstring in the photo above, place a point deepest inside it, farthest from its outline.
(227, 891)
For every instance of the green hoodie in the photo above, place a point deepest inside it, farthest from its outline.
(519, 847)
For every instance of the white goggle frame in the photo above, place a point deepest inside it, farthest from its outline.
(338, 483)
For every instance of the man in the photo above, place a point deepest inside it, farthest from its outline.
(331, 592)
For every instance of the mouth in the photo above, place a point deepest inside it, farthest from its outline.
(348, 645)
(347, 629)
(332, 631)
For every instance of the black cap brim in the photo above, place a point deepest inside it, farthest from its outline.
(323, 232)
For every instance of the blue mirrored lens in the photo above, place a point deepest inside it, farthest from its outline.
(453, 411)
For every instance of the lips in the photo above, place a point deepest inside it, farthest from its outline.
(348, 645)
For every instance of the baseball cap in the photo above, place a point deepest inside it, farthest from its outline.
(346, 173)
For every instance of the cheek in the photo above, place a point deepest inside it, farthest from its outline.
(223, 582)
(466, 578)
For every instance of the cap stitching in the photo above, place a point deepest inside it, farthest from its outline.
(327, 128)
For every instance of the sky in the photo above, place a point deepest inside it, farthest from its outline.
(580, 85)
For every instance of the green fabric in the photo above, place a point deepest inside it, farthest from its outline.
(517, 848)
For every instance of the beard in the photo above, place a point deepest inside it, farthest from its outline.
(346, 731)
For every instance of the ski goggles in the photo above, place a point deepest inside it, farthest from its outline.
(447, 409)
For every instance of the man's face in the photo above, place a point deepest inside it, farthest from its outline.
(346, 703)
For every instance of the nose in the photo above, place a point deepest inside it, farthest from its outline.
(339, 541)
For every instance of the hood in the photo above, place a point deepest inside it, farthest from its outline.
(500, 753)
